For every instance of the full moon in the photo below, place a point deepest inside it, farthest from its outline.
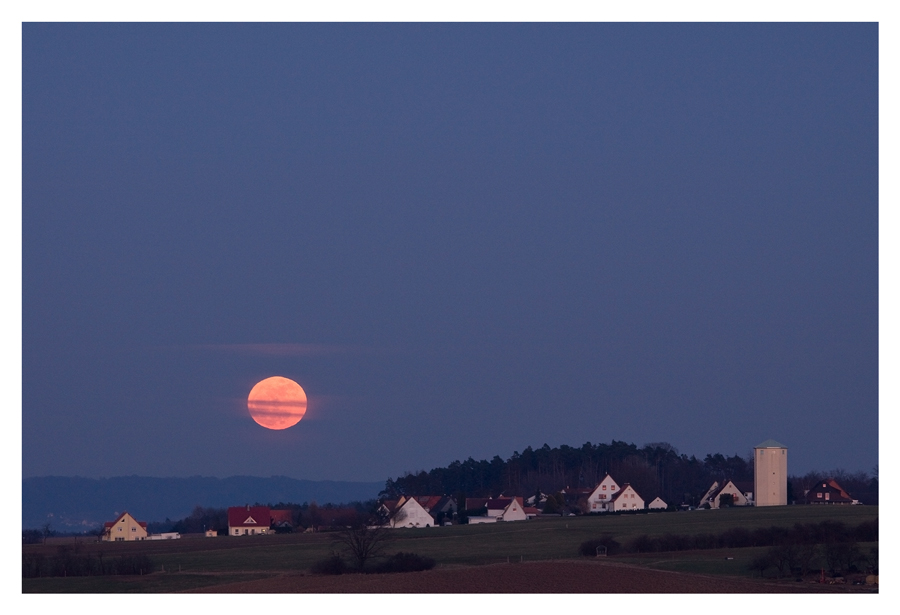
(277, 403)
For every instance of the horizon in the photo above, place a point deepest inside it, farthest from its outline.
(749, 457)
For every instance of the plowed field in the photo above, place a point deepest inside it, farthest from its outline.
(530, 577)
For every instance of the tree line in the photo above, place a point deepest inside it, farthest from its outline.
(656, 469)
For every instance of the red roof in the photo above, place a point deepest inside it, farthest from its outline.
(833, 484)
(249, 516)
(428, 501)
(501, 503)
(281, 516)
(472, 503)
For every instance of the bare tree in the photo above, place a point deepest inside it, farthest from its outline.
(363, 541)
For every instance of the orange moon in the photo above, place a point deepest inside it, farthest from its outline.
(277, 403)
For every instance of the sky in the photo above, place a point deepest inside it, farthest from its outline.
(460, 239)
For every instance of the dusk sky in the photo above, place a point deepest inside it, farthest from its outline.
(460, 239)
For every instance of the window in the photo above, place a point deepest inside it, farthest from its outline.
(827, 496)
(604, 487)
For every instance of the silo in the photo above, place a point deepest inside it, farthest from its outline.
(770, 474)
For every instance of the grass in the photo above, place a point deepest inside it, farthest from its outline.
(188, 563)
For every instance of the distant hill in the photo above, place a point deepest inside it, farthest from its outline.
(75, 503)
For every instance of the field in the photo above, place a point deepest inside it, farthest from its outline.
(479, 557)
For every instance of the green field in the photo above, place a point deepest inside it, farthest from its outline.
(198, 561)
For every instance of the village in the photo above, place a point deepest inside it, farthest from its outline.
(426, 511)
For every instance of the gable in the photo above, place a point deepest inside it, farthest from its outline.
(606, 486)
(255, 516)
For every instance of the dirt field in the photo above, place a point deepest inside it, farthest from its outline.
(534, 577)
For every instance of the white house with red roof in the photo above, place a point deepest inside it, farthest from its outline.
(627, 499)
(657, 504)
(608, 496)
(600, 499)
(406, 512)
(504, 509)
(124, 528)
(248, 520)
(741, 494)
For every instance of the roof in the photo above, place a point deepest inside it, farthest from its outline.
(109, 524)
(830, 485)
(249, 516)
(502, 503)
(770, 444)
(428, 501)
(281, 516)
(473, 503)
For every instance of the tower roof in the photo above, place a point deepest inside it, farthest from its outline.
(770, 444)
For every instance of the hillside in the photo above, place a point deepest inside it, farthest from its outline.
(78, 504)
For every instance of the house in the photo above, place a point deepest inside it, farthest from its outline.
(124, 528)
(770, 474)
(248, 520)
(573, 497)
(741, 494)
(538, 498)
(211, 533)
(476, 503)
(657, 504)
(406, 512)
(828, 492)
(507, 509)
(627, 499)
(502, 509)
(282, 521)
(440, 507)
(600, 498)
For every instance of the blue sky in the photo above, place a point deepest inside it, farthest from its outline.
(461, 240)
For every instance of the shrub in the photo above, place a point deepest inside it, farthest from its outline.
(867, 531)
(761, 563)
(642, 544)
(332, 565)
(405, 562)
(736, 538)
(842, 557)
(589, 547)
